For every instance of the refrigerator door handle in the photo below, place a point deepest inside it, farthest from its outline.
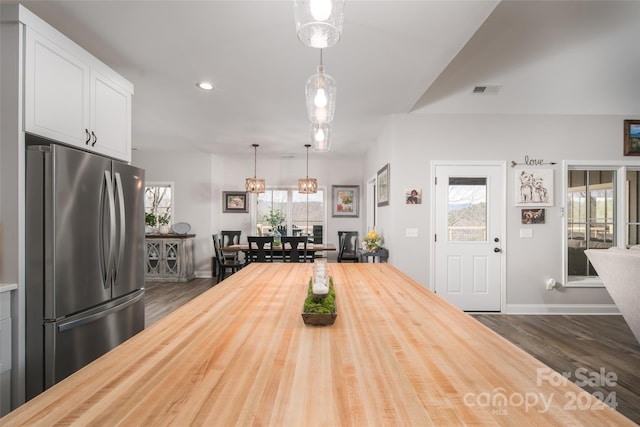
(112, 229)
(123, 222)
(70, 324)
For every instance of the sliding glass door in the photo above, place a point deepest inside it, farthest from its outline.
(303, 213)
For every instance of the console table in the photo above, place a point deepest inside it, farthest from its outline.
(169, 257)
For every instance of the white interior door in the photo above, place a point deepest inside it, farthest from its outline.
(469, 218)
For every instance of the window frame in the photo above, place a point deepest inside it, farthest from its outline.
(620, 205)
(290, 189)
(169, 184)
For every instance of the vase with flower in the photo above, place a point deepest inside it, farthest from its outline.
(275, 217)
(372, 242)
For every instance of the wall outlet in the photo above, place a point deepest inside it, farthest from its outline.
(411, 232)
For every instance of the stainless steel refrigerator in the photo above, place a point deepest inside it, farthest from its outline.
(84, 259)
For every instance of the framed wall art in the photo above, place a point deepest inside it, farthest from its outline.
(533, 216)
(533, 187)
(345, 201)
(632, 137)
(413, 196)
(234, 202)
(382, 185)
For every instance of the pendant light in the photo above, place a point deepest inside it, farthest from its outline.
(321, 136)
(307, 185)
(319, 22)
(255, 185)
(321, 91)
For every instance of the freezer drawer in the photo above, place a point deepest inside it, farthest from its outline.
(77, 341)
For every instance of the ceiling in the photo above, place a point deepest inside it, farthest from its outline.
(395, 57)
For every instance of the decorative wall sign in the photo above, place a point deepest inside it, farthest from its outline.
(382, 183)
(533, 187)
(531, 162)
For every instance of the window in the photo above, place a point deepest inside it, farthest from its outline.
(158, 201)
(602, 210)
(302, 212)
(467, 210)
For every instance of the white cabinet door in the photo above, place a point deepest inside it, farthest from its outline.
(56, 91)
(110, 115)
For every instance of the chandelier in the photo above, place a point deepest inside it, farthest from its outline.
(319, 22)
(321, 91)
(254, 185)
(307, 185)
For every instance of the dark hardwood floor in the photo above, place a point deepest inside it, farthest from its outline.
(582, 346)
(593, 350)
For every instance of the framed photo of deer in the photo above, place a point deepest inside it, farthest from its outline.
(533, 187)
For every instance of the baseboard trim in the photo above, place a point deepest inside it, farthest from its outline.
(569, 309)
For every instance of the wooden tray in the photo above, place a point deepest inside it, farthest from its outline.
(320, 319)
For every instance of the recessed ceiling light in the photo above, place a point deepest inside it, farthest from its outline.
(205, 85)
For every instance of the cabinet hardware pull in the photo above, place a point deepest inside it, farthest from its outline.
(95, 139)
(88, 136)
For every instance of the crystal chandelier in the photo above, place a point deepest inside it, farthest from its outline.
(254, 185)
(307, 185)
(321, 91)
(321, 136)
(319, 22)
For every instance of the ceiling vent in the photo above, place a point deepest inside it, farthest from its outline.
(486, 90)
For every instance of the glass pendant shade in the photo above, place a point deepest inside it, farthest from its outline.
(319, 22)
(255, 185)
(321, 91)
(321, 136)
(307, 185)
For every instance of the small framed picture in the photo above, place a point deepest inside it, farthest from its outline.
(632, 137)
(382, 182)
(413, 196)
(234, 202)
(345, 200)
(532, 216)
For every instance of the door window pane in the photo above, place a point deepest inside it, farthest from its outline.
(467, 209)
(307, 210)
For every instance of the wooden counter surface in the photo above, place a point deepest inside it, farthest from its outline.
(240, 354)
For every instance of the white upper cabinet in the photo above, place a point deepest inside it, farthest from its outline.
(69, 99)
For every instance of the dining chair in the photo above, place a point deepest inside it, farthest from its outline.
(348, 241)
(260, 248)
(223, 263)
(298, 251)
(228, 238)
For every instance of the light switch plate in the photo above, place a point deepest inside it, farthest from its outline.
(412, 232)
(526, 233)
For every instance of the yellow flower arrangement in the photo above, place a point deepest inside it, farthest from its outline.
(373, 241)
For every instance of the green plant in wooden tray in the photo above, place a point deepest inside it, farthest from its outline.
(320, 311)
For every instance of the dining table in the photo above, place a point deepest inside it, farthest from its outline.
(312, 249)
(240, 354)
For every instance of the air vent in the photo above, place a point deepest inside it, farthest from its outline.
(486, 89)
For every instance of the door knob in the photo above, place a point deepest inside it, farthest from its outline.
(496, 250)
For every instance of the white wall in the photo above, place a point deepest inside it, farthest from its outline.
(199, 180)
(418, 139)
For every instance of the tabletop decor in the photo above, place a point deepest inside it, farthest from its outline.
(274, 219)
(372, 241)
(319, 307)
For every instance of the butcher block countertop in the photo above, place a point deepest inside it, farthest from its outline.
(240, 354)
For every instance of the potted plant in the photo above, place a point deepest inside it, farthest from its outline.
(275, 218)
(163, 220)
(150, 222)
